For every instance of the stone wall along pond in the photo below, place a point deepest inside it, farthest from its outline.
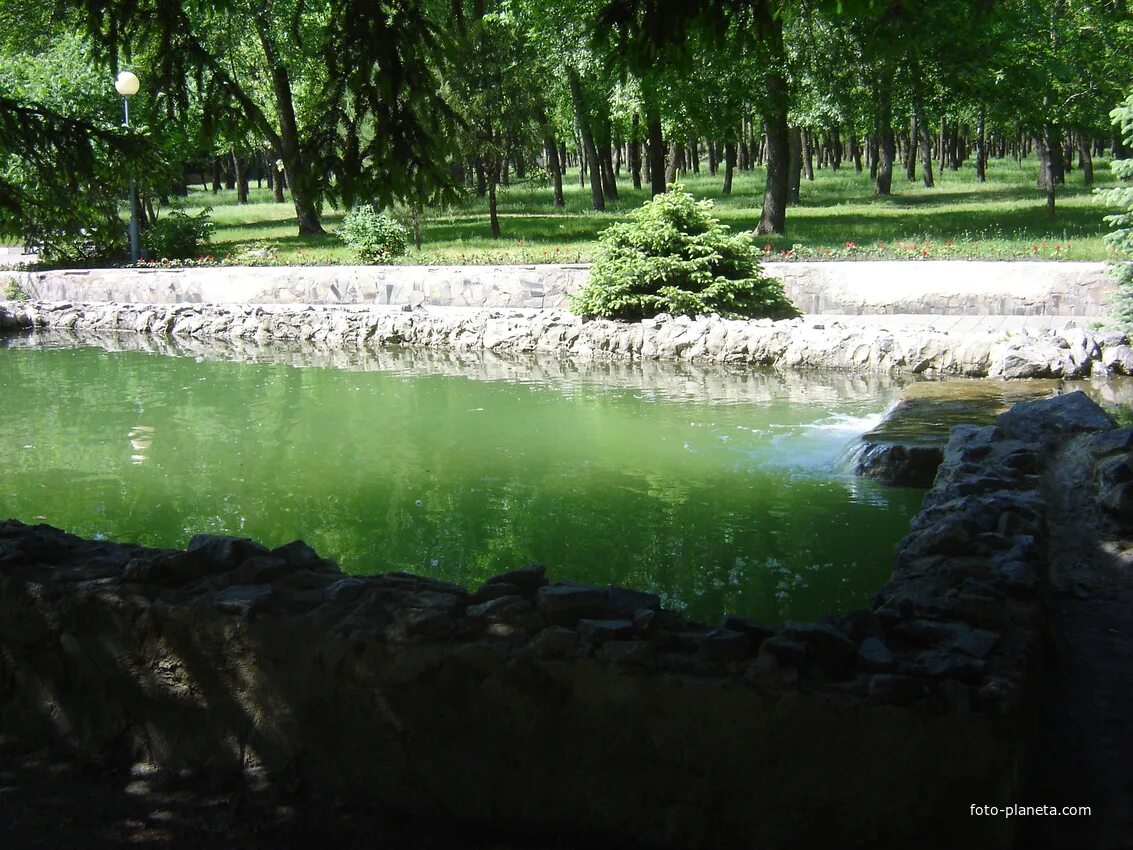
(953, 288)
(807, 343)
(566, 708)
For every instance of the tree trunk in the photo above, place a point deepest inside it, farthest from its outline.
(597, 198)
(694, 155)
(872, 148)
(981, 150)
(925, 145)
(713, 158)
(493, 178)
(856, 152)
(835, 149)
(886, 147)
(656, 149)
(635, 152)
(808, 156)
(304, 185)
(911, 150)
(554, 166)
(774, 216)
(217, 174)
(1086, 160)
(943, 147)
(240, 170)
(481, 177)
(609, 180)
(729, 166)
(676, 154)
(795, 167)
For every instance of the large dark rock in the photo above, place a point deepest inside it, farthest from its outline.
(1048, 419)
(900, 466)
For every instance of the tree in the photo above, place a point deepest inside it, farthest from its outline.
(1121, 239)
(492, 92)
(343, 92)
(672, 256)
(64, 162)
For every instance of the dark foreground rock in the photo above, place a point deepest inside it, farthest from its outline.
(560, 708)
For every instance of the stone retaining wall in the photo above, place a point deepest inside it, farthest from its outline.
(569, 708)
(809, 342)
(934, 287)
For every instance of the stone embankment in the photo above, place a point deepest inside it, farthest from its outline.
(808, 343)
(954, 288)
(570, 708)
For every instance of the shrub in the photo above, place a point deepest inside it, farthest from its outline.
(1121, 239)
(178, 236)
(12, 291)
(374, 236)
(673, 257)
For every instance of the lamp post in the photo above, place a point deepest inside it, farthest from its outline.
(127, 85)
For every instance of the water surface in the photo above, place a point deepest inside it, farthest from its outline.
(723, 490)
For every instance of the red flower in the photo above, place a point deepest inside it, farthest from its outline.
(850, 244)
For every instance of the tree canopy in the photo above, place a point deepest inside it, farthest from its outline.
(409, 101)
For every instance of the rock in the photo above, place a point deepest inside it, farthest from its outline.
(938, 664)
(424, 622)
(624, 602)
(494, 590)
(436, 599)
(643, 619)
(926, 632)
(528, 579)
(1118, 500)
(345, 590)
(566, 604)
(875, 656)
(242, 598)
(755, 630)
(627, 652)
(297, 553)
(861, 624)
(722, 644)
(976, 642)
(898, 465)
(261, 569)
(1017, 578)
(1048, 419)
(891, 688)
(1117, 359)
(220, 553)
(501, 608)
(825, 643)
(600, 631)
(784, 650)
(555, 642)
(1110, 442)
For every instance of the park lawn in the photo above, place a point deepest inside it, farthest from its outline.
(838, 218)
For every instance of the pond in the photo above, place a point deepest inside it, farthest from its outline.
(723, 490)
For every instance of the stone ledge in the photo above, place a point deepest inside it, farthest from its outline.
(958, 287)
(564, 705)
(810, 342)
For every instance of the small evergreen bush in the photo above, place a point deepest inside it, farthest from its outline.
(374, 236)
(12, 291)
(178, 236)
(672, 256)
(1121, 239)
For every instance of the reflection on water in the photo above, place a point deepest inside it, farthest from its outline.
(720, 489)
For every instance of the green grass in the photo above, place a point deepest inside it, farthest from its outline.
(839, 218)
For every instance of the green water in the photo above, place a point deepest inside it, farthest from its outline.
(723, 491)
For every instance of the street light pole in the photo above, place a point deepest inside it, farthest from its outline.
(127, 85)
